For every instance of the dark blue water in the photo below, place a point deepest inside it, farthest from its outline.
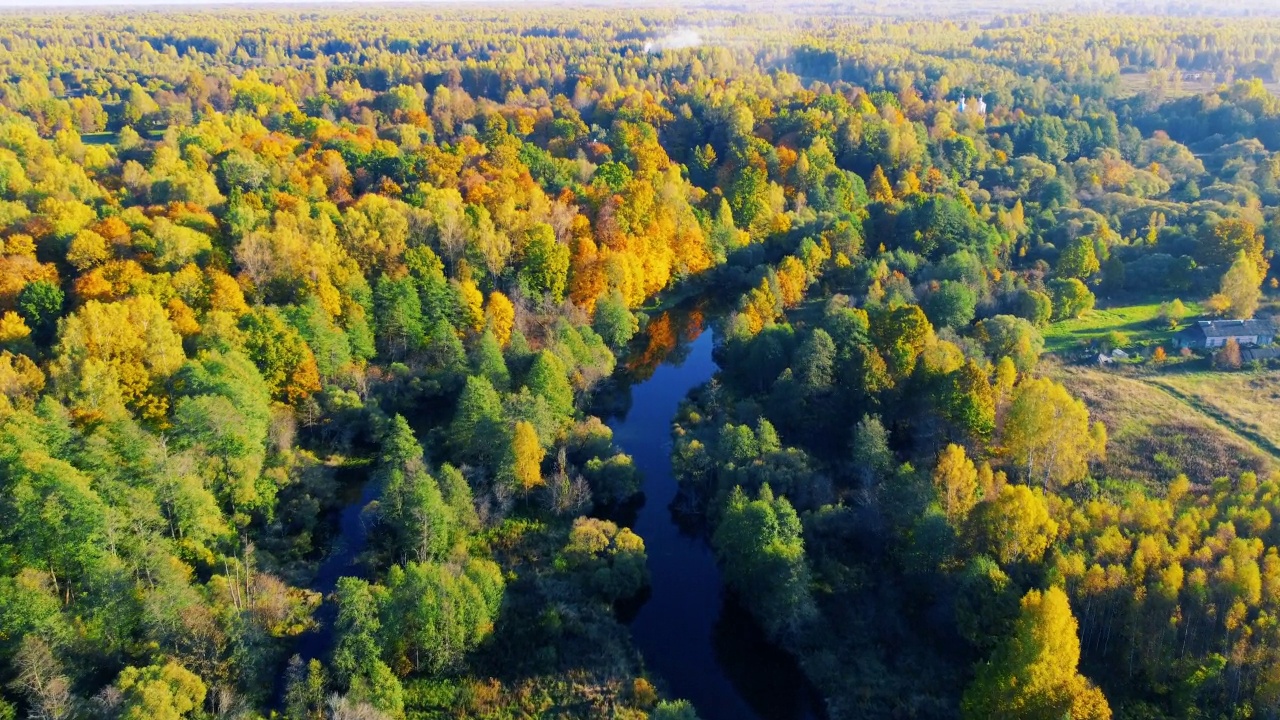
(702, 645)
(343, 560)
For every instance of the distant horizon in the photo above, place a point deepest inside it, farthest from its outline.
(1189, 7)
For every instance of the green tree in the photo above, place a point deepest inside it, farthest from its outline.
(901, 334)
(329, 344)
(673, 710)
(411, 503)
(1078, 260)
(611, 559)
(50, 516)
(1113, 275)
(1071, 298)
(815, 362)
(488, 362)
(986, 603)
(281, 353)
(357, 653)
(872, 458)
(306, 690)
(434, 613)
(969, 401)
(951, 305)
(547, 379)
(478, 420)
(1006, 336)
(1033, 306)
(159, 692)
(761, 546)
(544, 267)
(615, 323)
(40, 304)
(398, 314)
(222, 415)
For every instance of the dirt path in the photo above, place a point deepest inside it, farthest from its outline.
(1156, 432)
(1228, 424)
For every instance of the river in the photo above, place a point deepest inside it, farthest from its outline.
(702, 644)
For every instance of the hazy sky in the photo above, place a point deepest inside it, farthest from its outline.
(1214, 7)
(125, 4)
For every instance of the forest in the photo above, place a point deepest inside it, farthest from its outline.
(315, 323)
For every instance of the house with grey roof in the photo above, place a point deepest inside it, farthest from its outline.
(1209, 334)
(1260, 354)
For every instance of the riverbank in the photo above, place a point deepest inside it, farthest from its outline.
(700, 644)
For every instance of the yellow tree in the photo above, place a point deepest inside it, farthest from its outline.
(1229, 238)
(160, 692)
(760, 307)
(13, 329)
(956, 480)
(1033, 674)
(1241, 289)
(1011, 524)
(792, 280)
(878, 187)
(471, 305)
(111, 353)
(526, 457)
(1046, 431)
(20, 382)
(500, 317)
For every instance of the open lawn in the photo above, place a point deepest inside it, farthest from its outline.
(1141, 323)
(111, 138)
(1154, 435)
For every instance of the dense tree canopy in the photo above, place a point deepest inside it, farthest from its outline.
(304, 314)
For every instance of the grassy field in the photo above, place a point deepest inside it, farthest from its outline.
(1141, 323)
(1244, 401)
(111, 138)
(1137, 83)
(1155, 434)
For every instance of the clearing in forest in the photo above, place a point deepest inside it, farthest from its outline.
(1154, 433)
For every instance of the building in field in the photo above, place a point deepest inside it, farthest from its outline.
(1209, 334)
(1259, 354)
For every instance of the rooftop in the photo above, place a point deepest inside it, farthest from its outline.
(1232, 328)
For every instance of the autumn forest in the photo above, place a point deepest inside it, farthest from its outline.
(316, 325)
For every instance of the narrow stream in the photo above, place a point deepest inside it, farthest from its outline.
(343, 560)
(703, 645)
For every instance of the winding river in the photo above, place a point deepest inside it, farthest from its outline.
(704, 646)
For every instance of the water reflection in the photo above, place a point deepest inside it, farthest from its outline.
(668, 339)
